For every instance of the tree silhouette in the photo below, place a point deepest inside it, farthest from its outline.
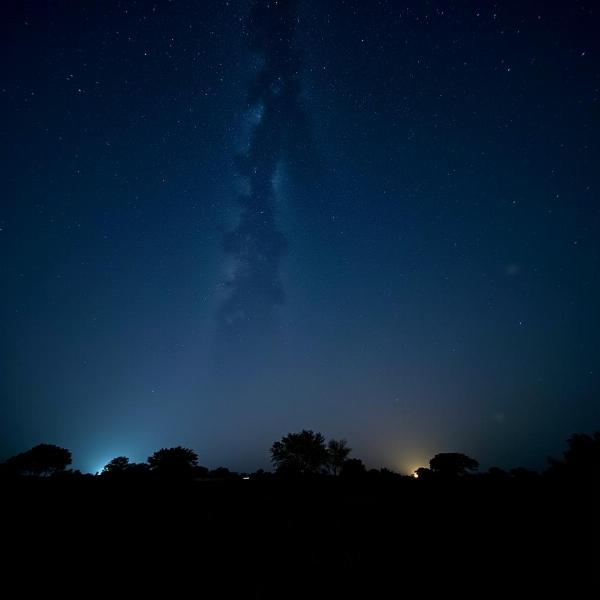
(173, 462)
(581, 458)
(122, 469)
(116, 466)
(583, 453)
(498, 475)
(300, 453)
(423, 473)
(222, 473)
(42, 460)
(353, 468)
(338, 451)
(452, 464)
(200, 472)
(523, 474)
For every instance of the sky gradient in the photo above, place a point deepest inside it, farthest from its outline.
(224, 221)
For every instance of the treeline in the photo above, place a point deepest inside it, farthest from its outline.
(304, 454)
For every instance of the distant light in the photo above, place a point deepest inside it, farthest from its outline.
(100, 467)
(415, 475)
(246, 477)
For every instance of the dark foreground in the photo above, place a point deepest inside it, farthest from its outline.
(321, 538)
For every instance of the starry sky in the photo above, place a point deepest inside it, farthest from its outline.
(223, 221)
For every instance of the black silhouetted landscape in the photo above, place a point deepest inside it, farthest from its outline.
(319, 525)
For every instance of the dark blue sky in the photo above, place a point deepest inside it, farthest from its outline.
(378, 220)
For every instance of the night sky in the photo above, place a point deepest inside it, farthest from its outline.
(223, 221)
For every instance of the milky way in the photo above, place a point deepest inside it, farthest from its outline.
(256, 244)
